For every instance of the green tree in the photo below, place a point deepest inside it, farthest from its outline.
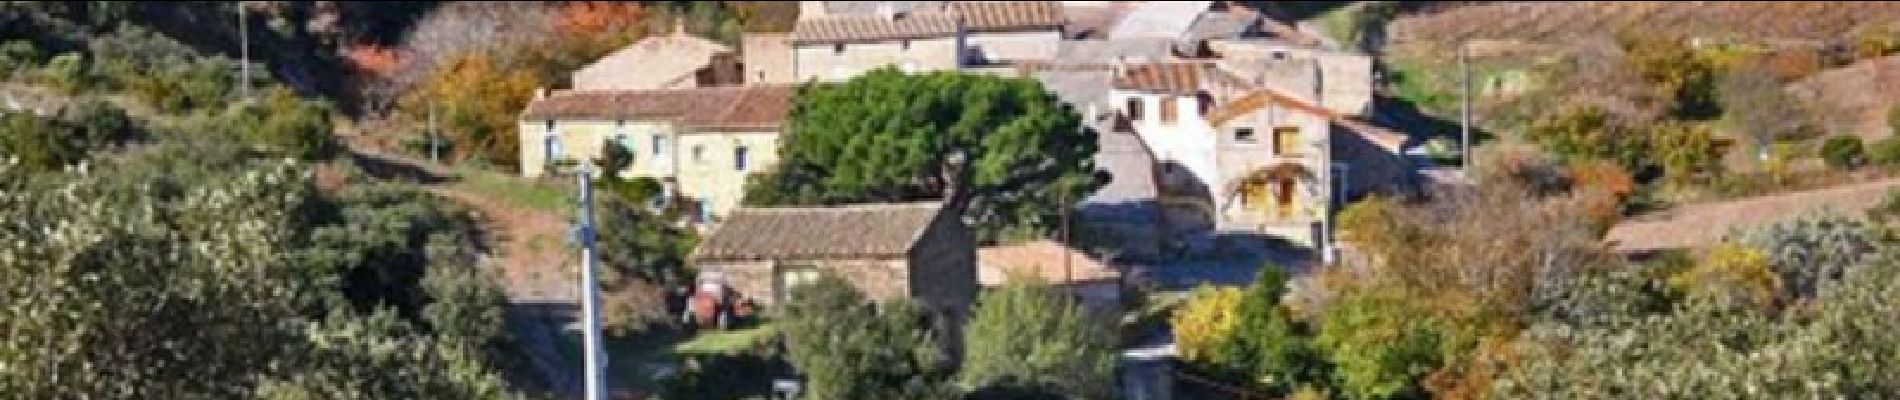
(380, 357)
(1269, 346)
(1002, 151)
(848, 348)
(1035, 338)
(1381, 345)
(1843, 152)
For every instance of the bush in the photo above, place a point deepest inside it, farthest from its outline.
(1843, 152)
(1885, 152)
(281, 121)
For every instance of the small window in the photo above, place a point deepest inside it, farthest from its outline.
(792, 277)
(659, 144)
(905, 44)
(1168, 112)
(550, 127)
(699, 153)
(1245, 135)
(1134, 109)
(1204, 101)
(1286, 140)
(553, 147)
(837, 48)
(738, 158)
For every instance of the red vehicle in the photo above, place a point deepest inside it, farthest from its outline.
(714, 304)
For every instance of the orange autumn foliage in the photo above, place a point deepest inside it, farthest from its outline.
(478, 101)
(592, 18)
(375, 60)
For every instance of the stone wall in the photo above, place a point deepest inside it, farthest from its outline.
(837, 62)
(880, 279)
(767, 58)
(993, 47)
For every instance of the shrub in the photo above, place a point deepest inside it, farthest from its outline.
(281, 121)
(1843, 152)
(1885, 152)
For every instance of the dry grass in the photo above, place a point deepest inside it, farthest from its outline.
(1855, 99)
(1558, 21)
(1695, 225)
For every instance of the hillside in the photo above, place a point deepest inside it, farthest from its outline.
(1855, 98)
(1549, 21)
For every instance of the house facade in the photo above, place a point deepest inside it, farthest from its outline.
(837, 40)
(701, 144)
(1234, 157)
(887, 251)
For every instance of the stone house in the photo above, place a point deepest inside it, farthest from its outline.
(701, 144)
(1091, 280)
(1235, 157)
(837, 40)
(887, 251)
(674, 61)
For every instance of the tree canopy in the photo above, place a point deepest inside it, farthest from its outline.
(1035, 338)
(1002, 151)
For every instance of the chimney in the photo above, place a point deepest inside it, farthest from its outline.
(886, 10)
(1121, 65)
(679, 26)
(540, 93)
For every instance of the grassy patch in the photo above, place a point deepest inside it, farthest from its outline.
(515, 191)
(720, 342)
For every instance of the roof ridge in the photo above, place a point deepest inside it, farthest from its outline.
(843, 207)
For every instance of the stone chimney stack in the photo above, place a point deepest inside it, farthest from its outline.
(540, 93)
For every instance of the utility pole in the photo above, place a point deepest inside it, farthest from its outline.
(1464, 113)
(244, 54)
(590, 293)
(435, 149)
(1068, 274)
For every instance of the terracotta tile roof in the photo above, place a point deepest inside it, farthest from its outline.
(930, 21)
(854, 231)
(851, 28)
(759, 106)
(1008, 15)
(1042, 259)
(1171, 77)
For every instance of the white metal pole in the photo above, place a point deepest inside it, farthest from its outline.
(244, 54)
(1464, 112)
(590, 292)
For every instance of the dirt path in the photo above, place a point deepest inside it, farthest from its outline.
(1694, 225)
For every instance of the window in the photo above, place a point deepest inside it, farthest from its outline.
(1204, 101)
(699, 153)
(705, 210)
(793, 276)
(837, 48)
(554, 146)
(1134, 109)
(550, 127)
(905, 44)
(1245, 136)
(1168, 106)
(659, 144)
(738, 158)
(1286, 141)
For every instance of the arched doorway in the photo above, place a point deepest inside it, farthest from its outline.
(1271, 193)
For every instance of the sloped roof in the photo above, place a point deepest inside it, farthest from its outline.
(854, 231)
(1008, 15)
(759, 106)
(846, 28)
(1044, 259)
(851, 22)
(1166, 19)
(1171, 77)
(656, 59)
